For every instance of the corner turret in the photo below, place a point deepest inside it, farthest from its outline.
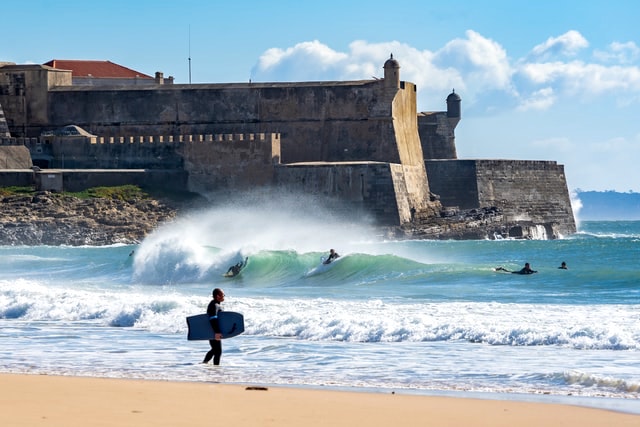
(453, 108)
(392, 73)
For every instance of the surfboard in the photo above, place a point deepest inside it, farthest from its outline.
(231, 324)
(320, 268)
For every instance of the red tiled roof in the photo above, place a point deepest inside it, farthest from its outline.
(97, 69)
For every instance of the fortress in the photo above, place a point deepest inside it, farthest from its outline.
(360, 144)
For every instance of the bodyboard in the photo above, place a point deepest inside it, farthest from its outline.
(230, 274)
(230, 322)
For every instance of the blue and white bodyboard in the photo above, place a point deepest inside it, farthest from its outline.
(230, 322)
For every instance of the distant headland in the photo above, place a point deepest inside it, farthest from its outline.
(608, 206)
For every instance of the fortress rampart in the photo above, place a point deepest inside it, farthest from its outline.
(318, 121)
(211, 162)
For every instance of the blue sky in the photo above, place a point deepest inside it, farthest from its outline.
(539, 80)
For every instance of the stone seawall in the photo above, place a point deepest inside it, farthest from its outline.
(17, 178)
(526, 191)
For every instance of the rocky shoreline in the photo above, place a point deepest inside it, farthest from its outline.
(56, 219)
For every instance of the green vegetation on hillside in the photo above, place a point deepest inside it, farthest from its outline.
(128, 193)
(14, 191)
(123, 192)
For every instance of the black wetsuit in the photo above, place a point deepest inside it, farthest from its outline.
(234, 269)
(331, 257)
(216, 345)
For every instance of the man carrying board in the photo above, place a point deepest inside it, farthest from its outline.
(216, 344)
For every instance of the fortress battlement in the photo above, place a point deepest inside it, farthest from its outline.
(173, 139)
(212, 161)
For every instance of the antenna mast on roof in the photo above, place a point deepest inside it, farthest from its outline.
(189, 53)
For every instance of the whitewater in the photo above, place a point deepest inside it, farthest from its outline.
(426, 317)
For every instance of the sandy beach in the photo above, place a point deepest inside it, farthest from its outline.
(30, 400)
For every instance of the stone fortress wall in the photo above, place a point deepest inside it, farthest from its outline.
(360, 142)
(526, 191)
(69, 161)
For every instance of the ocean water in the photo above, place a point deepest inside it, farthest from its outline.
(420, 317)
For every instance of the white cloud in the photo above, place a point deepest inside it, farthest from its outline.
(539, 100)
(479, 58)
(579, 78)
(478, 68)
(304, 61)
(568, 44)
(316, 61)
(472, 65)
(620, 53)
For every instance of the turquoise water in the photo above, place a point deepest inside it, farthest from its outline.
(410, 316)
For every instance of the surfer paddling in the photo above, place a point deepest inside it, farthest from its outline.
(524, 270)
(216, 344)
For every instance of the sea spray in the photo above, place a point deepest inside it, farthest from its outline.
(208, 241)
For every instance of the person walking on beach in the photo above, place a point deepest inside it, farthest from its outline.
(216, 344)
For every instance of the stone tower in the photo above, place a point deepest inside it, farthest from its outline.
(392, 73)
(437, 130)
(453, 109)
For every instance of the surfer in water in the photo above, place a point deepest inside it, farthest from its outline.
(333, 255)
(216, 344)
(524, 270)
(235, 269)
(563, 266)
